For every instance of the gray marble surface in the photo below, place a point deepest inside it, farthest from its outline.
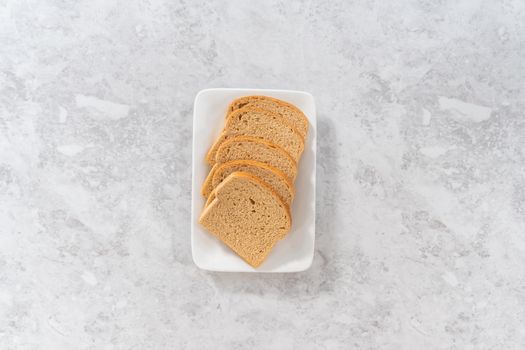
(421, 174)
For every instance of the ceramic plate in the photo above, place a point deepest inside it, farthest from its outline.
(293, 253)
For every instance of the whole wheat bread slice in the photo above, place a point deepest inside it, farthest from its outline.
(270, 175)
(263, 124)
(288, 111)
(247, 215)
(251, 148)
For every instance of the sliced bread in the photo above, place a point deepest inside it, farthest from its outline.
(251, 148)
(263, 124)
(247, 215)
(288, 111)
(270, 175)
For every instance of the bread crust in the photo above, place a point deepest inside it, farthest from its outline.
(207, 185)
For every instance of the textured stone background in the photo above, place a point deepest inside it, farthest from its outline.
(421, 174)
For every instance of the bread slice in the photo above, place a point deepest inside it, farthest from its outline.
(270, 175)
(251, 148)
(289, 112)
(263, 124)
(247, 216)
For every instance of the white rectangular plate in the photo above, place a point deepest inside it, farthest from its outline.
(293, 253)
